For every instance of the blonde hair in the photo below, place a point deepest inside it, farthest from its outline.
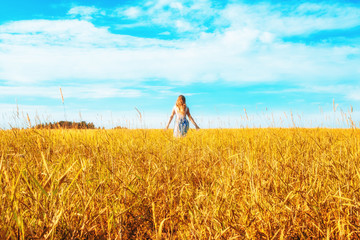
(181, 104)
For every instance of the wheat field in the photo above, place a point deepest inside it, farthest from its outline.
(269, 183)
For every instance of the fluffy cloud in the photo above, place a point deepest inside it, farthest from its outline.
(245, 46)
(85, 12)
(353, 94)
(279, 19)
(87, 53)
(188, 17)
(93, 91)
(285, 20)
(132, 12)
(65, 33)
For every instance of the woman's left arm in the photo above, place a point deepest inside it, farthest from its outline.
(191, 119)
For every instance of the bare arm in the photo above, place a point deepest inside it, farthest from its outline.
(171, 117)
(191, 119)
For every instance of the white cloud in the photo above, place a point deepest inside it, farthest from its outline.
(177, 5)
(248, 50)
(276, 19)
(52, 33)
(85, 12)
(182, 16)
(354, 93)
(69, 33)
(282, 20)
(94, 91)
(267, 37)
(132, 12)
(43, 50)
(183, 26)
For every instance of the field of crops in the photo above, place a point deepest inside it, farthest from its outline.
(213, 184)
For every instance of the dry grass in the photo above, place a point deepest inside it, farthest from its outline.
(217, 184)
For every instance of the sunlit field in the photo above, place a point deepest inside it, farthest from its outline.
(213, 184)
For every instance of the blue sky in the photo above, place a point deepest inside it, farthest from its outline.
(272, 58)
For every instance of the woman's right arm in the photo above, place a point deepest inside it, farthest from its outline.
(171, 117)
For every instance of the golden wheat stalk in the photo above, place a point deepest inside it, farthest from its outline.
(246, 114)
(28, 119)
(140, 116)
(62, 96)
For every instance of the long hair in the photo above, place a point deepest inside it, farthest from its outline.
(181, 104)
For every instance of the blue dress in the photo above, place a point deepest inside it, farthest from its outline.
(181, 123)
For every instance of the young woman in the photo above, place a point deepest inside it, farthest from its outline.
(181, 122)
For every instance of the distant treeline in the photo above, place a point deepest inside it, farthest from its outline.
(119, 127)
(70, 125)
(66, 125)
